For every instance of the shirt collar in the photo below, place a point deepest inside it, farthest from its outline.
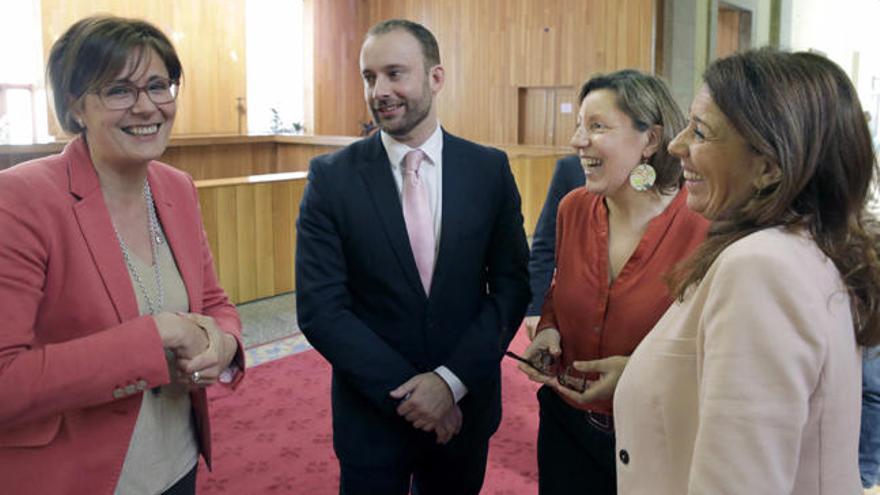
(433, 148)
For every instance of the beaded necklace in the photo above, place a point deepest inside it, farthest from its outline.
(154, 307)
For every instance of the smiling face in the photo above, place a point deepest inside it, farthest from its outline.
(135, 135)
(608, 143)
(721, 171)
(398, 88)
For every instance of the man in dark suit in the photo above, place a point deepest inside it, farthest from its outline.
(569, 175)
(411, 275)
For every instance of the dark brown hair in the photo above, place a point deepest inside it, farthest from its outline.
(430, 49)
(93, 52)
(801, 112)
(646, 100)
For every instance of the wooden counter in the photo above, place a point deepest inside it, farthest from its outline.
(216, 156)
(223, 156)
(251, 227)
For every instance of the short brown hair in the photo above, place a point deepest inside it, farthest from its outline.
(93, 51)
(426, 39)
(801, 112)
(647, 101)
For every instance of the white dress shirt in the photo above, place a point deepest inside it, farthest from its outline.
(431, 173)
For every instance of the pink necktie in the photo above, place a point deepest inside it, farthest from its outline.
(418, 217)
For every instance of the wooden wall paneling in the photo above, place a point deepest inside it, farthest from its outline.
(564, 123)
(296, 157)
(297, 189)
(227, 242)
(536, 112)
(491, 48)
(209, 204)
(251, 231)
(659, 38)
(245, 213)
(209, 38)
(264, 237)
(218, 161)
(580, 28)
(727, 41)
(339, 27)
(285, 211)
(541, 120)
(532, 175)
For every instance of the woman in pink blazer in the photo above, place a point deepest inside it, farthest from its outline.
(111, 323)
(750, 383)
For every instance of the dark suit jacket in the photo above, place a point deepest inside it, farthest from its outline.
(568, 175)
(362, 306)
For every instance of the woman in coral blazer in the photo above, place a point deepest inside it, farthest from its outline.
(111, 323)
(750, 383)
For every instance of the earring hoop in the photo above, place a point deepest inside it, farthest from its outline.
(642, 177)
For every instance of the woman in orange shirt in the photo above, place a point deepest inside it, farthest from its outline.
(616, 238)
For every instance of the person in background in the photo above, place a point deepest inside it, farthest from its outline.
(411, 276)
(567, 176)
(750, 383)
(616, 238)
(112, 321)
(869, 436)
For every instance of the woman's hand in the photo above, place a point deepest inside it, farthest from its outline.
(180, 335)
(531, 324)
(205, 368)
(546, 340)
(609, 370)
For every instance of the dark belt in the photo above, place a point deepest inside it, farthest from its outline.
(602, 422)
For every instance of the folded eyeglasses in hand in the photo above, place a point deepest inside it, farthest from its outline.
(547, 364)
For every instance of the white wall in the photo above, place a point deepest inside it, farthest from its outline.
(21, 56)
(277, 59)
(847, 32)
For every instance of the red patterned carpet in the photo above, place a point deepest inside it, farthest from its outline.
(273, 435)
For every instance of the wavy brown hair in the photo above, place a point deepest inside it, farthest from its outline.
(801, 111)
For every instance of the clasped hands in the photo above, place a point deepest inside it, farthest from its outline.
(201, 349)
(427, 403)
(609, 370)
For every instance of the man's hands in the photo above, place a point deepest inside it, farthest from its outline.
(428, 404)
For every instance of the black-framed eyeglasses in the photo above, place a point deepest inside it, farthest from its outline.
(124, 95)
(547, 364)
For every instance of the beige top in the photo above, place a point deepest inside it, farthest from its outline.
(163, 445)
(750, 386)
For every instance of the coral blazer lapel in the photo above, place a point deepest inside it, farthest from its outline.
(97, 229)
(177, 220)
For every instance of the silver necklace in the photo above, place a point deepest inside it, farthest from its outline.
(155, 234)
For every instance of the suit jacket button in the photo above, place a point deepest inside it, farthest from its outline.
(141, 385)
(624, 456)
(118, 393)
(130, 389)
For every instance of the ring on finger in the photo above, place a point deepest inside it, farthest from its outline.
(195, 377)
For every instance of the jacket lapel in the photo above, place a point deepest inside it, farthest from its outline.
(97, 230)
(376, 173)
(183, 240)
(451, 217)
